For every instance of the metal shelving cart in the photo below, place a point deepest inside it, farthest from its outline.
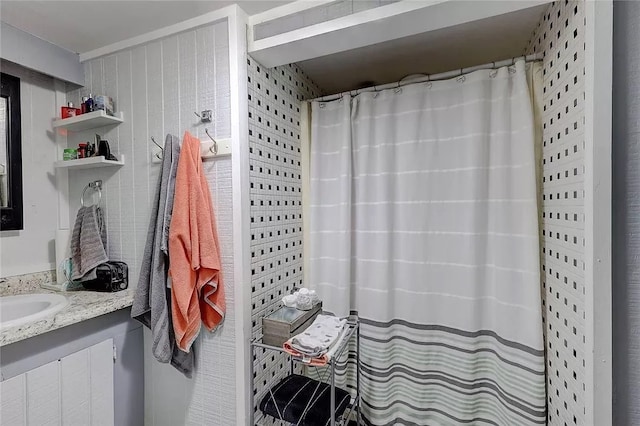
(345, 412)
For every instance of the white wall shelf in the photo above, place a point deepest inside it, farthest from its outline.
(89, 163)
(90, 120)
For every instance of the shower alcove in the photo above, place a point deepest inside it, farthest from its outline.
(304, 50)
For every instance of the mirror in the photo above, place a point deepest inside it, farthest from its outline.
(10, 154)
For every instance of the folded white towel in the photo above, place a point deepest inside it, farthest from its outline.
(336, 344)
(320, 337)
(304, 302)
(289, 300)
(303, 299)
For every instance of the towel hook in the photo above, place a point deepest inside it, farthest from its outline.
(213, 148)
(158, 156)
(97, 187)
(205, 116)
(157, 144)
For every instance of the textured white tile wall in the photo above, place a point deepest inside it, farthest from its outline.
(158, 87)
(561, 36)
(32, 249)
(276, 199)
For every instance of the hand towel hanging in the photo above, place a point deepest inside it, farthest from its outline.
(197, 291)
(152, 299)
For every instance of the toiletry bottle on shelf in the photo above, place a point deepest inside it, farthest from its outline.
(82, 150)
(84, 104)
(89, 103)
(104, 103)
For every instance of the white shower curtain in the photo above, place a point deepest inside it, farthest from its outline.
(424, 221)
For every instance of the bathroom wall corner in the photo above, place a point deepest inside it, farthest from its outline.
(241, 205)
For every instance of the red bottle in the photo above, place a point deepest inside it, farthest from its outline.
(82, 150)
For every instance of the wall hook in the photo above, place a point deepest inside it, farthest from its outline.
(214, 148)
(157, 144)
(158, 155)
(205, 116)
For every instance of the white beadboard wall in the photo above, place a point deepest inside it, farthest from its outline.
(158, 86)
(32, 249)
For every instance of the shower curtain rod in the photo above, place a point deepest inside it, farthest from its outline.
(433, 77)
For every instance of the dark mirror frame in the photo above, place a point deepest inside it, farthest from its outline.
(11, 216)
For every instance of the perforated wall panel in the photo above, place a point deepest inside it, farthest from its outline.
(561, 37)
(276, 200)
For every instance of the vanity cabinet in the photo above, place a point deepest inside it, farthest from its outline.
(74, 390)
(88, 373)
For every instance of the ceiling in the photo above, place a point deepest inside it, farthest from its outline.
(474, 43)
(82, 26)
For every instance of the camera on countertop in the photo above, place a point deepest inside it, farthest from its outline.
(110, 277)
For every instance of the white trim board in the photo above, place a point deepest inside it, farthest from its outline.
(377, 25)
(62, 175)
(598, 168)
(237, 25)
(284, 10)
(189, 24)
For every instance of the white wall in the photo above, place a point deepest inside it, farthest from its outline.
(32, 249)
(158, 86)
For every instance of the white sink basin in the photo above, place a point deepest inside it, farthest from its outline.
(25, 308)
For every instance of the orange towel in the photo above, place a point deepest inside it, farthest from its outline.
(197, 290)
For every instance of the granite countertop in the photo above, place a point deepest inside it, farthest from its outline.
(83, 305)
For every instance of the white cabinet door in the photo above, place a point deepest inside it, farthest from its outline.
(75, 384)
(102, 404)
(75, 390)
(43, 395)
(13, 402)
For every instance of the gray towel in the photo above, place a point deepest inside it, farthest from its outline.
(88, 244)
(152, 301)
